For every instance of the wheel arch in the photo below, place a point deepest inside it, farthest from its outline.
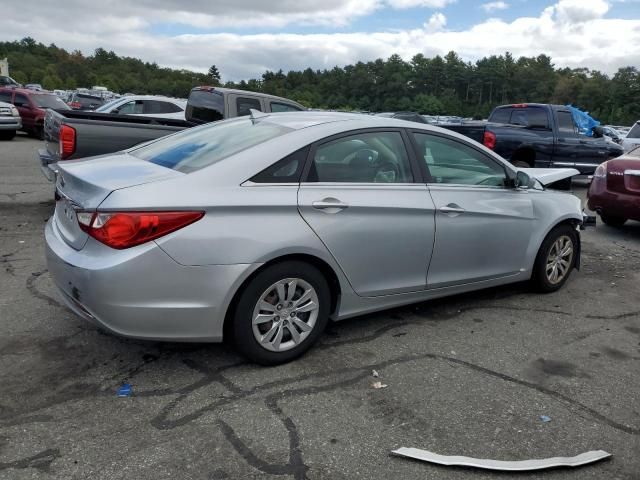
(571, 221)
(335, 289)
(524, 153)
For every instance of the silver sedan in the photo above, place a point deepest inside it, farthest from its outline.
(265, 227)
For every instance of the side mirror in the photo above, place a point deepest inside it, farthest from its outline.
(522, 180)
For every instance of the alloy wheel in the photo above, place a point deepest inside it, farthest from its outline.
(285, 314)
(559, 260)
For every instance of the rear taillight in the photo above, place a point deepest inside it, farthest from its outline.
(601, 171)
(489, 140)
(126, 229)
(67, 141)
(75, 105)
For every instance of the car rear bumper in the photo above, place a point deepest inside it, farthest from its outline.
(47, 164)
(615, 204)
(141, 292)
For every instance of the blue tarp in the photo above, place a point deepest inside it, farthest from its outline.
(583, 121)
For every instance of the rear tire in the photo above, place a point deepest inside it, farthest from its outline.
(612, 221)
(7, 134)
(556, 259)
(288, 323)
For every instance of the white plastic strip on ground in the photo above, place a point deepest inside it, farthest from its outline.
(519, 465)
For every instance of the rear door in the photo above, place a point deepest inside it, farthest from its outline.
(362, 197)
(483, 226)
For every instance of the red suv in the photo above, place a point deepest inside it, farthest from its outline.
(32, 106)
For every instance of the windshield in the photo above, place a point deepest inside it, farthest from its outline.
(200, 147)
(635, 131)
(49, 101)
(107, 106)
(205, 106)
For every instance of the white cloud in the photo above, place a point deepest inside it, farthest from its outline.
(400, 4)
(574, 34)
(436, 22)
(490, 7)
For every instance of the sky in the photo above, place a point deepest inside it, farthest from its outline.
(243, 38)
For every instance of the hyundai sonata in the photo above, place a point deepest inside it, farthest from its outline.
(265, 227)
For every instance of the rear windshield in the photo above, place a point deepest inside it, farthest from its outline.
(635, 131)
(49, 101)
(202, 146)
(525, 116)
(205, 106)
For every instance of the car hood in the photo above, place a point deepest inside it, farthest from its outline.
(547, 176)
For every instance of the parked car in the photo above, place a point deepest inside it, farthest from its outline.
(6, 81)
(84, 101)
(10, 121)
(613, 134)
(34, 86)
(615, 189)
(72, 135)
(277, 222)
(632, 139)
(409, 116)
(146, 105)
(32, 106)
(539, 135)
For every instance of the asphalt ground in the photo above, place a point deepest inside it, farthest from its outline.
(468, 375)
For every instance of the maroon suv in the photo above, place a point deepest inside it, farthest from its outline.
(32, 106)
(615, 189)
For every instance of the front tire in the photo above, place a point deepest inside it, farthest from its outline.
(281, 313)
(7, 134)
(556, 259)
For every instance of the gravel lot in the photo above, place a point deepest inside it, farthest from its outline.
(468, 375)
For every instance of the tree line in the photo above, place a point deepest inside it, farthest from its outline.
(438, 86)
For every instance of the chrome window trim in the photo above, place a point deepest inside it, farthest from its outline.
(633, 173)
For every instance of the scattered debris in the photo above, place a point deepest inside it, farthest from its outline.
(125, 390)
(519, 465)
(545, 418)
(453, 352)
(20, 241)
(375, 374)
(378, 385)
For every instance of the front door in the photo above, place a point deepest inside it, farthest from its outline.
(483, 225)
(361, 199)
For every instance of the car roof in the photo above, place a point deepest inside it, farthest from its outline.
(153, 97)
(26, 91)
(243, 92)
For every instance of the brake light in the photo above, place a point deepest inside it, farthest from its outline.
(75, 105)
(519, 105)
(67, 141)
(122, 230)
(489, 140)
(601, 171)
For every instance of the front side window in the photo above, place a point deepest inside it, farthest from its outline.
(131, 108)
(244, 105)
(378, 157)
(565, 123)
(452, 162)
(283, 107)
(197, 148)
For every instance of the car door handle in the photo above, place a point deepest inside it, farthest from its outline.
(328, 204)
(452, 209)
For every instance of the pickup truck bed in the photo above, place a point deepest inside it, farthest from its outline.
(99, 133)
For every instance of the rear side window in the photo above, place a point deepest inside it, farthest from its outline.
(501, 115)
(157, 107)
(197, 148)
(635, 131)
(205, 106)
(565, 123)
(287, 170)
(244, 105)
(20, 100)
(283, 107)
(131, 108)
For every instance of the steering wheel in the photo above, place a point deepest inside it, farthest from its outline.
(387, 172)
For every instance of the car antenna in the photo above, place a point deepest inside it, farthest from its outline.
(256, 115)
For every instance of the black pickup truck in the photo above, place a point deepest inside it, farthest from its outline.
(72, 134)
(541, 136)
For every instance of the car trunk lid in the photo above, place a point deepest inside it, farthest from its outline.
(623, 176)
(83, 185)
